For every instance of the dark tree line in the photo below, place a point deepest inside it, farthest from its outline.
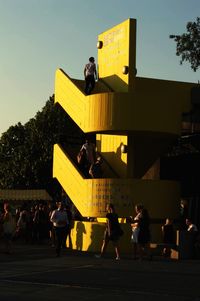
(26, 151)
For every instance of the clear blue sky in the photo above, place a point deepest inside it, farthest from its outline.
(39, 36)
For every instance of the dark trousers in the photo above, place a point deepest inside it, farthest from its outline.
(89, 84)
(60, 233)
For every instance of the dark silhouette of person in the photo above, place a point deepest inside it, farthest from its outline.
(112, 233)
(168, 237)
(90, 74)
(89, 156)
(183, 215)
(96, 170)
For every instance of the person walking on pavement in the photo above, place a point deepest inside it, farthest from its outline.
(8, 227)
(112, 233)
(59, 218)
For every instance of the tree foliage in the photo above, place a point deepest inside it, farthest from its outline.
(26, 151)
(188, 44)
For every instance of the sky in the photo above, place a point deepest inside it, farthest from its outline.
(39, 36)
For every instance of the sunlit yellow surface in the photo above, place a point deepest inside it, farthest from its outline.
(160, 106)
(141, 113)
(119, 50)
(90, 196)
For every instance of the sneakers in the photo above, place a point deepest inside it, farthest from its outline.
(117, 258)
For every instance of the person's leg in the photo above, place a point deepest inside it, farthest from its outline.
(65, 233)
(115, 243)
(70, 239)
(87, 85)
(92, 83)
(59, 238)
(8, 243)
(104, 246)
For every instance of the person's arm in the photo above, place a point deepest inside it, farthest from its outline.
(85, 72)
(82, 148)
(6, 217)
(52, 218)
(108, 225)
(95, 72)
(91, 173)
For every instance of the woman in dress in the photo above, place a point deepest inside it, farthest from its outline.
(112, 232)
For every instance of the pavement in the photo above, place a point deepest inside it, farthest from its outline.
(33, 272)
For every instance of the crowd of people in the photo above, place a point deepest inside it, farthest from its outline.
(38, 224)
(141, 234)
(52, 224)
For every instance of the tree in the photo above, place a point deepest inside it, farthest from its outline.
(26, 152)
(188, 44)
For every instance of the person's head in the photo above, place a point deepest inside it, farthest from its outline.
(183, 203)
(168, 221)
(110, 208)
(6, 207)
(60, 205)
(188, 221)
(100, 160)
(139, 208)
(17, 210)
(91, 59)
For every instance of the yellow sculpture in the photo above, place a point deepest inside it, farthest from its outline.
(135, 120)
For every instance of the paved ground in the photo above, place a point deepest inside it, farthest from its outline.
(33, 272)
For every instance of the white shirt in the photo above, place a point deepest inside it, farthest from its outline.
(59, 218)
(192, 228)
(90, 69)
(89, 149)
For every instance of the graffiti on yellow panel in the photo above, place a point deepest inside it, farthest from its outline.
(116, 53)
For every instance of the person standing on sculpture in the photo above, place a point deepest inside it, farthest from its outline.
(90, 75)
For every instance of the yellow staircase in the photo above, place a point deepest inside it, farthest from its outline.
(135, 120)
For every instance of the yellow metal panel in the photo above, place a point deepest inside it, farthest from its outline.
(118, 51)
(90, 196)
(110, 147)
(69, 178)
(122, 111)
(144, 114)
(87, 236)
(180, 92)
